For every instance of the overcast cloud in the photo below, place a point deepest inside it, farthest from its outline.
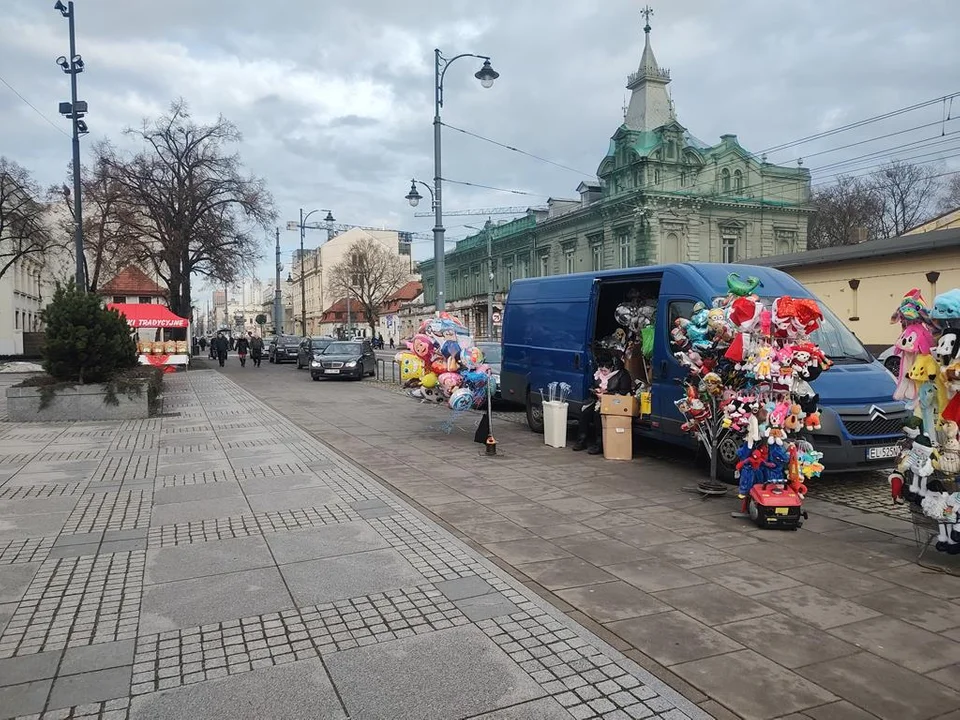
(335, 99)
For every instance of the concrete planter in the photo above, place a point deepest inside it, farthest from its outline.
(79, 402)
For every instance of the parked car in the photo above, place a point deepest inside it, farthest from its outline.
(283, 348)
(890, 361)
(550, 324)
(345, 358)
(309, 348)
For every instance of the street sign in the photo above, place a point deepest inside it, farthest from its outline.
(497, 318)
(292, 225)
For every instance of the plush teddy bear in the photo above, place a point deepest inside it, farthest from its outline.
(949, 462)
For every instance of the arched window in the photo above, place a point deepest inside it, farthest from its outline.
(738, 181)
(656, 176)
(671, 248)
(725, 180)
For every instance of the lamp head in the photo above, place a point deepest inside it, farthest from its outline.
(62, 8)
(290, 278)
(329, 218)
(77, 62)
(486, 74)
(82, 127)
(413, 197)
(62, 62)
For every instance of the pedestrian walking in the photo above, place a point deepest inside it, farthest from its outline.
(380, 341)
(256, 350)
(391, 342)
(243, 347)
(203, 344)
(220, 346)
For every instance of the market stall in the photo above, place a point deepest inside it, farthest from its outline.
(156, 347)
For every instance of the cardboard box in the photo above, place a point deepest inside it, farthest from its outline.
(617, 437)
(624, 405)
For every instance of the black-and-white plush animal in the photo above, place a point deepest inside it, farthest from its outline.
(948, 347)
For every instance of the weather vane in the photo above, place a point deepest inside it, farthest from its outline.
(647, 12)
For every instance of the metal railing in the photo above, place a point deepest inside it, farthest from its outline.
(387, 374)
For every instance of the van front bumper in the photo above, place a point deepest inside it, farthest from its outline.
(860, 438)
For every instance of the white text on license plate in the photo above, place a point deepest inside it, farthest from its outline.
(883, 453)
(332, 372)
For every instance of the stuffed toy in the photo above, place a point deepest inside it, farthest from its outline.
(775, 432)
(752, 468)
(918, 461)
(697, 330)
(946, 307)
(793, 317)
(764, 364)
(941, 506)
(794, 474)
(678, 335)
(912, 309)
(780, 457)
(926, 408)
(793, 423)
(948, 461)
(947, 347)
(914, 342)
(810, 465)
(742, 288)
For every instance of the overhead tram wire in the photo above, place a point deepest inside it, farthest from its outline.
(34, 108)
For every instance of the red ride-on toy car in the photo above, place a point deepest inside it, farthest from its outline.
(775, 505)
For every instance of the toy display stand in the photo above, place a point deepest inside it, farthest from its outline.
(555, 423)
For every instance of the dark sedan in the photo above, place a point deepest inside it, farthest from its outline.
(352, 359)
(283, 348)
(311, 348)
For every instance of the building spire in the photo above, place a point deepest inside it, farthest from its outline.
(650, 105)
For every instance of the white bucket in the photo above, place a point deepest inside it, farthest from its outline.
(555, 424)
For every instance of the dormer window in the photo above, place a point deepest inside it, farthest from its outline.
(737, 182)
(671, 149)
(725, 180)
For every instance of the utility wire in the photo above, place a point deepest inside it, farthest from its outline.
(34, 108)
(518, 150)
(940, 123)
(490, 187)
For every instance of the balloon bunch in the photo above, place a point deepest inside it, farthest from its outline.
(750, 365)
(442, 364)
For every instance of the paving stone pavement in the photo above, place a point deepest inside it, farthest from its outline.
(834, 622)
(221, 561)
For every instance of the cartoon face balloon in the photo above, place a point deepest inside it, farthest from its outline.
(461, 399)
(472, 357)
(448, 382)
(411, 367)
(422, 346)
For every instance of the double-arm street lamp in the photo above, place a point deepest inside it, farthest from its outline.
(486, 75)
(74, 111)
(303, 288)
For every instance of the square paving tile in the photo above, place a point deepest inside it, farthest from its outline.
(653, 574)
(642, 535)
(345, 576)
(466, 587)
(746, 578)
(485, 607)
(561, 530)
(611, 601)
(15, 579)
(198, 510)
(37, 506)
(25, 699)
(887, 690)
(101, 656)
(27, 668)
(817, 607)
(516, 552)
(194, 560)
(781, 692)
(201, 491)
(467, 512)
(293, 499)
(841, 710)
(18, 527)
(399, 679)
(295, 691)
(543, 709)
(939, 585)
(564, 573)
(692, 554)
(174, 605)
(604, 552)
(672, 637)
(494, 531)
(6, 612)
(838, 580)
(90, 687)
(914, 607)
(787, 641)
(713, 605)
(327, 541)
(280, 483)
(902, 643)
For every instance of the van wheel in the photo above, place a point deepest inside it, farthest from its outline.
(727, 458)
(534, 414)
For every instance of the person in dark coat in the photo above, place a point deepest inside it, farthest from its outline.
(243, 347)
(220, 346)
(611, 378)
(256, 350)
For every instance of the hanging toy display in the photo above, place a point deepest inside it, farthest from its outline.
(751, 362)
(929, 383)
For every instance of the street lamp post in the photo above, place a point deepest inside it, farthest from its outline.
(303, 288)
(277, 296)
(486, 75)
(74, 111)
(490, 275)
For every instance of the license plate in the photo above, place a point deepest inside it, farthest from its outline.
(883, 453)
(782, 511)
(331, 372)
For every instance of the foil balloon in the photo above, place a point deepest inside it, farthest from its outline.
(475, 379)
(448, 382)
(411, 367)
(472, 357)
(461, 399)
(422, 346)
(429, 380)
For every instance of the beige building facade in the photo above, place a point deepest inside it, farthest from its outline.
(863, 284)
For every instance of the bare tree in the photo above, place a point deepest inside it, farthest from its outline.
(23, 231)
(368, 276)
(908, 193)
(110, 240)
(950, 198)
(845, 210)
(190, 203)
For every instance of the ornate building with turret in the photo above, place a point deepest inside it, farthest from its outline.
(660, 196)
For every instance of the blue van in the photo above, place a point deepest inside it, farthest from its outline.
(550, 324)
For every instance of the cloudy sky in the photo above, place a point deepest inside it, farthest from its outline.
(335, 99)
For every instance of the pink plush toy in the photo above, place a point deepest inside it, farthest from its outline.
(915, 340)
